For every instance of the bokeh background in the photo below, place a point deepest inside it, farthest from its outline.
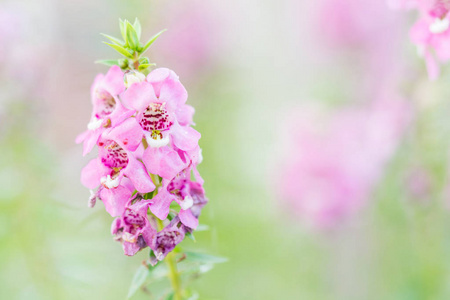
(325, 149)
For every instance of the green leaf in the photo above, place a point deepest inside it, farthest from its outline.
(170, 296)
(137, 27)
(144, 60)
(145, 66)
(191, 236)
(120, 49)
(123, 31)
(138, 280)
(108, 62)
(150, 42)
(205, 258)
(132, 38)
(113, 39)
(202, 227)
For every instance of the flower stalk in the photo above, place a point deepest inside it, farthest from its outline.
(174, 276)
(146, 170)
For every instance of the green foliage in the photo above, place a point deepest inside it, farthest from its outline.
(120, 49)
(205, 258)
(130, 47)
(138, 280)
(151, 41)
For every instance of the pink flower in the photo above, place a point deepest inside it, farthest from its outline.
(142, 127)
(192, 38)
(371, 47)
(107, 109)
(402, 4)
(116, 161)
(164, 120)
(431, 35)
(166, 240)
(133, 230)
(332, 170)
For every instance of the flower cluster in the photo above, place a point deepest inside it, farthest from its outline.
(147, 151)
(431, 32)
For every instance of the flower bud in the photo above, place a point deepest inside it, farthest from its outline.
(133, 77)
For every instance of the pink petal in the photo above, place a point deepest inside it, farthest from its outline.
(81, 137)
(91, 174)
(141, 206)
(116, 225)
(173, 92)
(113, 81)
(139, 96)
(185, 137)
(128, 134)
(163, 161)
(115, 200)
(120, 113)
(161, 204)
(136, 172)
(157, 77)
(188, 219)
(130, 249)
(420, 33)
(97, 82)
(148, 233)
(185, 114)
(127, 183)
(91, 140)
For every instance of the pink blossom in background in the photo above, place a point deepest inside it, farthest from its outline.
(368, 33)
(431, 35)
(402, 4)
(192, 39)
(336, 159)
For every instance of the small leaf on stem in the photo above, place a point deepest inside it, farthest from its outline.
(137, 27)
(132, 37)
(120, 49)
(150, 42)
(123, 31)
(138, 280)
(113, 39)
(205, 258)
(145, 66)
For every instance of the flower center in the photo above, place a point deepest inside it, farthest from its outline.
(133, 218)
(114, 157)
(105, 104)
(156, 119)
(166, 242)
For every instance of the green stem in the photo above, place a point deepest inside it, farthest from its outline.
(174, 275)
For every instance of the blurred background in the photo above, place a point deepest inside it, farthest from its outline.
(325, 149)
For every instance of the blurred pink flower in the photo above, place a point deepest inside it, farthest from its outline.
(369, 34)
(431, 35)
(336, 160)
(190, 44)
(402, 4)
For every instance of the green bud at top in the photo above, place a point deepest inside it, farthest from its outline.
(130, 46)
